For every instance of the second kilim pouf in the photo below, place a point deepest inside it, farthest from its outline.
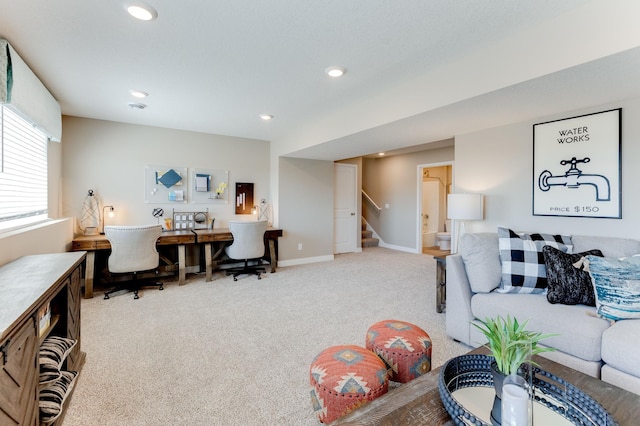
(406, 348)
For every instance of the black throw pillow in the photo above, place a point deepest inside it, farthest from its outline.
(568, 284)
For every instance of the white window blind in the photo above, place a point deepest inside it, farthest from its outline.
(23, 170)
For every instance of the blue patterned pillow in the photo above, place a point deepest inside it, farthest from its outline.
(523, 269)
(616, 284)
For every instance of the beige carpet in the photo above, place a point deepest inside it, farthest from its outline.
(238, 353)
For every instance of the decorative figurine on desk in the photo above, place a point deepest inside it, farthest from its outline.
(158, 213)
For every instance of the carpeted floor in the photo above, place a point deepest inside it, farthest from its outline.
(238, 353)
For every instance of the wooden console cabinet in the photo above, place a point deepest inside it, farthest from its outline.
(27, 285)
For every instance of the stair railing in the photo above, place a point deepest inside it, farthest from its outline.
(370, 200)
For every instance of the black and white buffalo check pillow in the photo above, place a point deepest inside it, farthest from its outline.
(522, 260)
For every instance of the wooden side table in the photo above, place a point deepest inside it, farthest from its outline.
(441, 283)
(440, 257)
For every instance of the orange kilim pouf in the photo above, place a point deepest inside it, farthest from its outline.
(343, 378)
(405, 348)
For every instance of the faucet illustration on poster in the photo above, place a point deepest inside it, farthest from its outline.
(577, 167)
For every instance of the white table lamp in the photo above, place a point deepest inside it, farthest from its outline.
(462, 207)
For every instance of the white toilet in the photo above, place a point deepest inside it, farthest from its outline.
(444, 238)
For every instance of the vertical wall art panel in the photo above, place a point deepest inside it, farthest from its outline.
(244, 198)
(577, 167)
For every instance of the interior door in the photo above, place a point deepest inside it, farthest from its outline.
(344, 208)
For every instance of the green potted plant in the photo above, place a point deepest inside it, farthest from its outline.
(511, 346)
(509, 342)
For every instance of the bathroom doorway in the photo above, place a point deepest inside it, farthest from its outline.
(434, 186)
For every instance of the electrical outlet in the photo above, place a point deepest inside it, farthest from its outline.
(299, 246)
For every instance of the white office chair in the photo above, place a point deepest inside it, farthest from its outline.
(133, 250)
(248, 245)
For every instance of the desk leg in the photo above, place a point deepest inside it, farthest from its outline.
(88, 274)
(272, 255)
(182, 266)
(207, 261)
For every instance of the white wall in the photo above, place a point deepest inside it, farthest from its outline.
(394, 181)
(110, 158)
(306, 210)
(498, 163)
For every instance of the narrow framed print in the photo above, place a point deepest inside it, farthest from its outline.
(577, 166)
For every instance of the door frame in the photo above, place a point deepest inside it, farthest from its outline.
(356, 231)
(419, 170)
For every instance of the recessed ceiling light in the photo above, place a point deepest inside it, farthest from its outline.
(136, 105)
(138, 94)
(381, 154)
(335, 71)
(142, 11)
(266, 117)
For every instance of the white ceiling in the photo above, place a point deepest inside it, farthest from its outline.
(214, 66)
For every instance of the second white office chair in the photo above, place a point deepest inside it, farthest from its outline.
(248, 245)
(133, 250)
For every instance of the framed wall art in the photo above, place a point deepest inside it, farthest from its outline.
(577, 166)
(208, 186)
(244, 198)
(165, 184)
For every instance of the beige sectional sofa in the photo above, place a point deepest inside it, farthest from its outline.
(586, 342)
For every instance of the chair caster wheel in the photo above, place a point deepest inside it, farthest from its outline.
(161, 288)
(106, 296)
(135, 296)
(235, 279)
(259, 277)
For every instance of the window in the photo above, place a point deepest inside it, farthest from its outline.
(23, 171)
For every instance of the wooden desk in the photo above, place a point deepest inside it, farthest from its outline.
(218, 237)
(222, 236)
(92, 243)
(418, 402)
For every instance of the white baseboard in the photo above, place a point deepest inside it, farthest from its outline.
(381, 242)
(305, 260)
(399, 248)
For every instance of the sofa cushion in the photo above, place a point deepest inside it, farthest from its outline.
(568, 284)
(620, 346)
(523, 269)
(617, 286)
(579, 329)
(481, 261)
(609, 246)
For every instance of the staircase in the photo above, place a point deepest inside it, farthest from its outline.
(367, 237)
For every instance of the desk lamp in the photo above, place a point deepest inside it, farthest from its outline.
(104, 216)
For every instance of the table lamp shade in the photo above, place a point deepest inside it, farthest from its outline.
(464, 206)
